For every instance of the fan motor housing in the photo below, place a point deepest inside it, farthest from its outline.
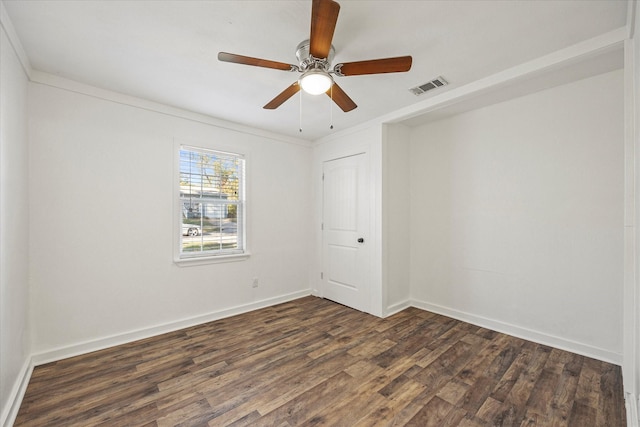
(308, 62)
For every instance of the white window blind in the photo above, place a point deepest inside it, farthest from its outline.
(212, 200)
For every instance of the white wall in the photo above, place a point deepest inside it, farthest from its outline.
(396, 187)
(517, 216)
(14, 227)
(101, 177)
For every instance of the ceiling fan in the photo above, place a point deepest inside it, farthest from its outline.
(314, 61)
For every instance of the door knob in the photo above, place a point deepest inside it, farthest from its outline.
(360, 240)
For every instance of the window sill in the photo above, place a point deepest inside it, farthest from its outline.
(188, 262)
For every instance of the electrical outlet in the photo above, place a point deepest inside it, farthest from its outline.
(255, 282)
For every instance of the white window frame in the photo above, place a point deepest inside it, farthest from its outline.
(179, 258)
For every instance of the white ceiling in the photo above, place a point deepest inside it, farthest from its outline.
(166, 51)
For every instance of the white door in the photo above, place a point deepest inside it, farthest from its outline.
(346, 254)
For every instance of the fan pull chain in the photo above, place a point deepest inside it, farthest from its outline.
(331, 107)
(300, 119)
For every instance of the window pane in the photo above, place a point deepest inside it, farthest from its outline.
(210, 175)
(211, 196)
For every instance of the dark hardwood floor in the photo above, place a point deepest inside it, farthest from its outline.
(315, 362)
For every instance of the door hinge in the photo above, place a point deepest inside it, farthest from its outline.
(322, 226)
(321, 275)
(323, 176)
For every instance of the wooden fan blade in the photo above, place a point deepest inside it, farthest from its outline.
(341, 98)
(324, 15)
(283, 96)
(248, 60)
(375, 66)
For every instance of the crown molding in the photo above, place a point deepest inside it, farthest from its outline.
(631, 17)
(519, 74)
(46, 79)
(39, 77)
(14, 40)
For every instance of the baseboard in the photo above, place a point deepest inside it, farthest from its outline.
(10, 412)
(397, 308)
(127, 337)
(524, 333)
(631, 405)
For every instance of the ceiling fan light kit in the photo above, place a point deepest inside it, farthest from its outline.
(314, 61)
(316, 82)
(315, 78)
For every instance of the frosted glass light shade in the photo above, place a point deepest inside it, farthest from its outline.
(315, 82)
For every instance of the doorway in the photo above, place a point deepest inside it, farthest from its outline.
(346, 251)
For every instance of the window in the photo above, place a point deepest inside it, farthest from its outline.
(212, 203)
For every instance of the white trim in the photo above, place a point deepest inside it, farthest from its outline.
(584, 50)
(58, 82)
(186, 261)
(631, 406)
(630, 292)
(631, 18)
(14, 41)
(217, 259)
(20, 387)
(524, 333)
(127, 337)
(365, 291)
(10, 411)
(556, 60)
(377, 292)
(62, 83)
(397, 308)
(371, 145)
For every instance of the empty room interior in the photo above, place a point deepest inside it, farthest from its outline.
(310, 212)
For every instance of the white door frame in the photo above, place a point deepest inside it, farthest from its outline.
(345, 146)
(362, 301)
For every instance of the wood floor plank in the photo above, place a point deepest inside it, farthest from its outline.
(511, 375)
(515, 406)
(582, 415)
(540, 398)
(432, 414)
(611, 402)
(311, 404)
(396, 401)
(364, 398)
(454, 417)
(490, 410)
(477, 394)
(453, 391)
(313, 362)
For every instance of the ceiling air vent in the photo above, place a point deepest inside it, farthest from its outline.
(433, 84)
